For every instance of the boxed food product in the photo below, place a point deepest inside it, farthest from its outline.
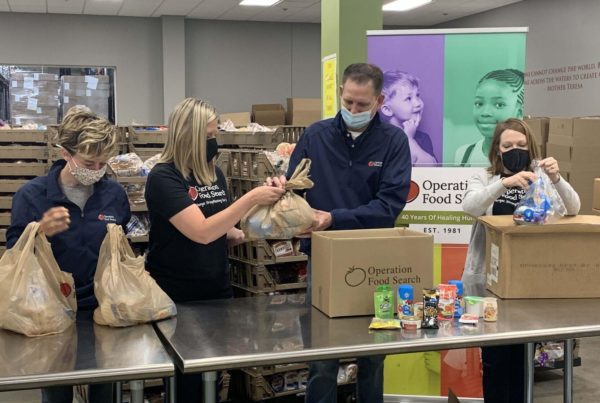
(238, 118)
(560, 259)
(347, 267)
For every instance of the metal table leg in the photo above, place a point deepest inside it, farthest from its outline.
(169, 389)
(529, 371)
(137, 391)
(118, 392)
(568, 375)
(209, 386)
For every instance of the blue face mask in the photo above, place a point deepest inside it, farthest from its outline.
(356, 120)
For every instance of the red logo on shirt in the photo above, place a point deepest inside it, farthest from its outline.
(413, 191)
(104, 217)
(193, 193)
(375, 164)
(65, 289)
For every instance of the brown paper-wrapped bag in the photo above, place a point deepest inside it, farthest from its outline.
(36, 297)
(126, 293)
(289, 216)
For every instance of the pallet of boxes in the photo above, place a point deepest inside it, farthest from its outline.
(24, 154)
(34, 98)
(575, 143)
(91, 91)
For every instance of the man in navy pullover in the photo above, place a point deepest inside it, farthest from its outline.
(361, 168)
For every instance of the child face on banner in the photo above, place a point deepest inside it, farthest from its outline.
(404, 104)
(495, 102)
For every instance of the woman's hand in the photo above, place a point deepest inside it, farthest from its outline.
(55, 221)
(235, 237)
(550, 166)
(266, 195)
(276, 181)
(520, 180)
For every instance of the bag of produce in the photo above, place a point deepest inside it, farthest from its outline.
(288, 217)
(126, 293)
(36, 297)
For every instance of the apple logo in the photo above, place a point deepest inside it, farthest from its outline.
(355, 276)
(413, 192)
(193, 193)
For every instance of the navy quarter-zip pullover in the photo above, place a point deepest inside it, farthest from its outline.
(363, 183)
(76, 250)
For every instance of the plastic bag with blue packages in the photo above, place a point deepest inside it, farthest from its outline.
(541, 201)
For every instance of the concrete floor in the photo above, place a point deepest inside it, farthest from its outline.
(548, 385)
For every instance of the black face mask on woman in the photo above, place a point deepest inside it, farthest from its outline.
(212, 149)
(515, 160)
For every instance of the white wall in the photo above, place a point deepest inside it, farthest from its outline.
(236, 64)
(562, 33)
(132, 45)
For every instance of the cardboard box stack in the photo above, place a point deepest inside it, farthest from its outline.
(303, 111)
(575, 143)
(268, 114)
(34, 98)
(596, 207)
(239, 119)
(91, 91)
(539, 130)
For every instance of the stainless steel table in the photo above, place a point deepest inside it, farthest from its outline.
(85, 353)
(236, 333)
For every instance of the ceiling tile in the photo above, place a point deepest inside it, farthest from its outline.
(240, 13)
(176, 7)
(278, 12)
(210, 9)
(65, 6)
(308, 14)
(28, 6)
(139, 8)
(102, 7)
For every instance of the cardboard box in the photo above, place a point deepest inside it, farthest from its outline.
(539, 129)
(596, 194)
(239, 119)
(555, 260)
(560, 127)
(347, 267)
(303, 111)
(584, 132)
(583, 183)
(268, 114)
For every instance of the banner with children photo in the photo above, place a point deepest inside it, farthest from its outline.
(447, 89)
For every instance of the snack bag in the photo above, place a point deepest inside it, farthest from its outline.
(126, 293)
(126, 164)
(289, 216)
(36, 297)
(541, 201)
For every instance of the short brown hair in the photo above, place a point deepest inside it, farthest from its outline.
(496, 166)
(362, 73)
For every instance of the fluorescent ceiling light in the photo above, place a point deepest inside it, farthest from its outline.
(405, 5)
(260, 3)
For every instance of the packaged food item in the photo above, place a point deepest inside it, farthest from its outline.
(351, 372)
(277, 383)
(411, 323)
(149, 164)
(459, 305)
(474, 305)
(282, 248)
(384, 302)
(126, 164)
(490, 309)
(469, 318)
(447, 295)
(291, 380)
(382, 324)
(430, 308)
(405, 300)
(303, 378)
(418, 308)
(342, 376)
